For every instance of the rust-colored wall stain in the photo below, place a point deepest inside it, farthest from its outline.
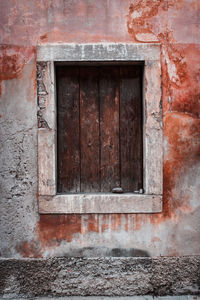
(183, 133)
(13, 60)
(29, 249)
(54, 229)
(171, 23)
(58, 228)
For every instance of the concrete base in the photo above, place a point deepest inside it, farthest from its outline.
(122, 276)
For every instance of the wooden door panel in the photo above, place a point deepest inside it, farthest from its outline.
(89, 129)
(68, 149)
(99, 128)
(130, 128)
(109, 127)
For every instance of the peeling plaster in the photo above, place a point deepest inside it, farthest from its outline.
(41, 95)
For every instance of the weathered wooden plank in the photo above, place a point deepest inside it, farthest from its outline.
(100, 203)
(130, 128)
(109, 127)
(89, 129)
(68, 149)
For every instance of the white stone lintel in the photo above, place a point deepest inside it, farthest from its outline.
(98, 52)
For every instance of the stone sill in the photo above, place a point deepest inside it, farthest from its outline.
(100, 203)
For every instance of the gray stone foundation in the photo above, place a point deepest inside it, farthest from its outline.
(100, 276)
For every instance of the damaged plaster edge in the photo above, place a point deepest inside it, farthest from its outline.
(98, 52)
(100, 204)
(46, 95)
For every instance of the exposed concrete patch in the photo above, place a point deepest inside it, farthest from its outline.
(100, 276)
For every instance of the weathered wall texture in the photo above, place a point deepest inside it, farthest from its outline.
(103, 276)
(175, 25)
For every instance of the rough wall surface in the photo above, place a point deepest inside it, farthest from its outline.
(173, 24)
(99, 276)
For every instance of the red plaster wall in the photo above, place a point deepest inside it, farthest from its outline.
(175, 25)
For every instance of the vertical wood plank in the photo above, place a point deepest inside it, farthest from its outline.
(109, 127)
(130, 128)
(89, 129)
(68, 149)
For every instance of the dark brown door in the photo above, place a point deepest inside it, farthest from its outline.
(99, 128)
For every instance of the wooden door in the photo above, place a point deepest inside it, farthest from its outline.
(99, 128)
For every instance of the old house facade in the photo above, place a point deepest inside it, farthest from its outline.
(49, 210)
